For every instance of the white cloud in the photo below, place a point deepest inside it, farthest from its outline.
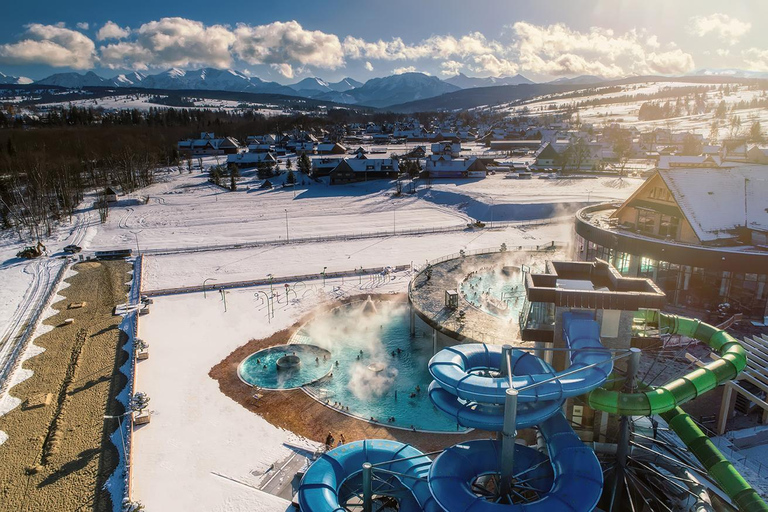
(83, 25)
(287, 43)
(558, 50)
(756, 59)
(112, 30)
(172, 42)
(435, 47)
(489, 64)
(451, 67)
(726, 28)
(368, 66)
(284, 69)
(53, 45)
(406, 69)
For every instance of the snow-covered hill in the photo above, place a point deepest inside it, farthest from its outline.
(14, 80)
(463, 81)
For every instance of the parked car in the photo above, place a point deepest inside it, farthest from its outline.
(72, 248)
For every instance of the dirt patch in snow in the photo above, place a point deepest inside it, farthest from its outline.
(294, 410)
(58, 454)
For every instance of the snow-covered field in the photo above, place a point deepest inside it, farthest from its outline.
(202, 450)
(626, 112)
(197, 434)
(144, 102)
(185, 210)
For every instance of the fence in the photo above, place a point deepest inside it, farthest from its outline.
(492, 250)
(22, 339)
(274, 280)
(352, 236)
(134, 298)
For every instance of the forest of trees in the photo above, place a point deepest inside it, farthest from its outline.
(50, 161)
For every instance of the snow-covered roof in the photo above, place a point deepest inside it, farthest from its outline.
(250, 158)
(372, 164)
(671, 161)
(449, 164)
(763, 150)
(713, 199)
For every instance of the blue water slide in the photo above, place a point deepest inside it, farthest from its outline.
(337, 476)
(468, 386)
(462, 370)
(573, 481)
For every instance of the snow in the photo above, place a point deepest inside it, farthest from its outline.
(625, 112)
(143, 102)
(751, 461)
(191, 269)
(701, 192)
(197, 433)
(185, 210)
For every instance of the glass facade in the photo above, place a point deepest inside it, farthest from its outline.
(685, 285)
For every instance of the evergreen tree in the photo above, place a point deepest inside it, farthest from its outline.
(305, 165)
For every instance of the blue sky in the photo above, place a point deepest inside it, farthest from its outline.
(288, 41)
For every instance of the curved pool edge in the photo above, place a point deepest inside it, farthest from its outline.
(240, 364)
(378, 423)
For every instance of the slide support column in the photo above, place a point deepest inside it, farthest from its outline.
(509, 428)
(367, 487)
(509, 433)
(617, 484)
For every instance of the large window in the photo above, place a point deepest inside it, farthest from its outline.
(646, 221)
(668, 226)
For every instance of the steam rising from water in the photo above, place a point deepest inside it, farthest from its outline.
(350, 328)
(366, 384)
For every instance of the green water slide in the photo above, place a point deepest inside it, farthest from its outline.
(733, 359)
(720, 468)
(665, 400)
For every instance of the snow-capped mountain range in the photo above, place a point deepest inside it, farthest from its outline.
(377, 92)
(463, 81)
(14, 80)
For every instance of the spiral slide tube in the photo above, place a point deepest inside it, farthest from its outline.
(461, 372)
(733, 359)
(574, 482)
(466, 387)
(337, 476)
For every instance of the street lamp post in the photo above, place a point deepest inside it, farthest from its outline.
(323, 273)
(205, 281)
(270, 277)
(286, 226)
(492, 204)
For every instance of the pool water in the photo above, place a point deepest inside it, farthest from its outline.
(260, 368)
(367, 380)
(497, 291)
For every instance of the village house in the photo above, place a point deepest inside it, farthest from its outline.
(356, 169)
(251, 159)
(330, 148)
(209, 144)
(757, 155)
(437, 166)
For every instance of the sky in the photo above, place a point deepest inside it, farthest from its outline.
(288, 41)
